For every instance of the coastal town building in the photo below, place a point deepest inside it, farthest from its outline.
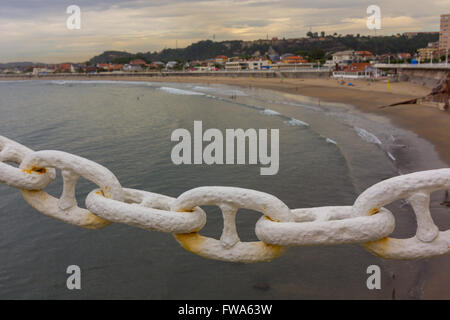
(221, 59)
(349, 56)
(108, 67)
(156, 65)
(288, 62)
(344, 57)
(90, 69)
(444, 34)
(291, 66)
(136, 65)
(11, 71)
(138, 62)
(236, 65)
(293, 60)
(428, 53)
(362, 56)
(403, 56)
(65, 68)
(329, 64)
(434, 45)
(171, 64)
(42, 71)
(258, 64)
(357, 70)
(132, 68)
(385, 57)
(203, 68)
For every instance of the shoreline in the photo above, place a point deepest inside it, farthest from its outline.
(429, 123)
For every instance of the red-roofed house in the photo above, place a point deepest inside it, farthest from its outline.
(221, 59)
(357, 70)
(403, 56)
(109, 67)
(138, 62)
(364, 55)
(293, 59)
(65, 67)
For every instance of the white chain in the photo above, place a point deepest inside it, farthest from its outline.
(366, 222)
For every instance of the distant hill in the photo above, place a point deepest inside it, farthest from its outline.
(110, 56)
(20, 65)
(312, 46)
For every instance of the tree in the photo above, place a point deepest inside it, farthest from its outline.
(316, 54)
(322, 34)
(309, 34)
(301, 53)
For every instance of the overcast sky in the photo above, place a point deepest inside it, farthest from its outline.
(35, 30)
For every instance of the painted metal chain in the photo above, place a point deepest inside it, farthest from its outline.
(366, 222)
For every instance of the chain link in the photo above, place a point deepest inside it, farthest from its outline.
(367, 222)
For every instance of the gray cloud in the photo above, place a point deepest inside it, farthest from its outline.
(35, 29)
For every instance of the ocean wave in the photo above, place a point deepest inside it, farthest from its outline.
(295, 104)
(58, 82)
(221, 91)
(331, 141)
(180, 92)
(270, 112)
(296, 122)
(391, 156)
(367, 136)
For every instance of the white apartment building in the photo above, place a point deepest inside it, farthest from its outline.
(257, 65)
(344, 57)
(444, 34)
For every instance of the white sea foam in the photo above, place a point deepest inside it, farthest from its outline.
(59, 82)
(270, 112)
(294, 104)
(391, 156)
(367, 136)
(221, 91)
(296, 122)
(180, 91)
(331, 141)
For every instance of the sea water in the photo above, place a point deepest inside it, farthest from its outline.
(328, 155)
